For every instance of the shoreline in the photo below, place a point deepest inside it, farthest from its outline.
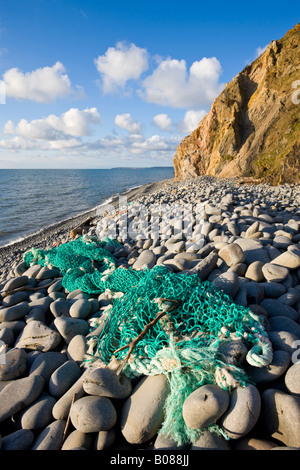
(47, 236)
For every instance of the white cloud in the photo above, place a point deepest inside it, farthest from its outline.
(191, 120)
(163, 122)
(260, 50)
(171, 84)
(156, 143)
(120, 64)
(72, 123)
(43, 85)
(125, 121)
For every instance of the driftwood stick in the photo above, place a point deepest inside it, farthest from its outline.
(68, 419)
(24, 288)
(147, 327)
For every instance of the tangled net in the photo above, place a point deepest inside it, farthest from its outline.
(161, 323)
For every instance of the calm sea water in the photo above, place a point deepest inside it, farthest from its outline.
(34, 199)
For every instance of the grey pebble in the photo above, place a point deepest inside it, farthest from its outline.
(104, 382)
(242, 413)
(13, 364)
(63, 378)
(38, 415)
(93, 414)
(18, 394)
(18, 440)
(51, 437)
(69, 327)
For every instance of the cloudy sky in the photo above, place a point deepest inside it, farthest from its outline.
(96, 84)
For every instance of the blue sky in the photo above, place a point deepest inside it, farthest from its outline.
(96, 84)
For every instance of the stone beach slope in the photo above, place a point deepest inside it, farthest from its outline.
(248, 247)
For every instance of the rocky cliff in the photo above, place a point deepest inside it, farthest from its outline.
(253, 126)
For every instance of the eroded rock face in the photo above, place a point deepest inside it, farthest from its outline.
(252, 129)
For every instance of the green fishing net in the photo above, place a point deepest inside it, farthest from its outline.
(183, 344)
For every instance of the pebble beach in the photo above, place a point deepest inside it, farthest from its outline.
(247, 246)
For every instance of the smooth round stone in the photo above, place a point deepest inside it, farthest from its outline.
(63, 378)
(280, 416)
(234, 351)
(239, 269)
(14, 299)
(189, 256)
(204, 267)
(42, 303)
(46, 363)
(205, 406)
(281, 323)
(146, 259)
(15, 312)
(291, 297)
(47, 273)
(212, 210)
(15, 282)
(288, 259)
(281, 241)
(60, 308)
(176, 247)
(93, 414)
(69, 327)
(177, 265)
(38, 336)
(252, 229)
(106, 383)
(232, 254)
(32, 271)
(51, 437)
(243, 412)
(18, 394)
(77, 348)
(279, 365)
(274, 273)
(62, 407)
(105, 439)
(80, 309)
(276, 308)
(292, 379)
(57, 295)
(163, 442)
(254, 271)
(36, 314)
(13, 364)
(78, 439)
(18, 440)
(143, 412)
(56, 287)
(228, 283)
(210, 441)
(7, 336)
(283, 341)
(253, 250)
(273, 289)
(39, 414)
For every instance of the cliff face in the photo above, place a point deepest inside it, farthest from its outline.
(253, 127)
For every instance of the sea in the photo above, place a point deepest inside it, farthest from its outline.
(31, 200)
